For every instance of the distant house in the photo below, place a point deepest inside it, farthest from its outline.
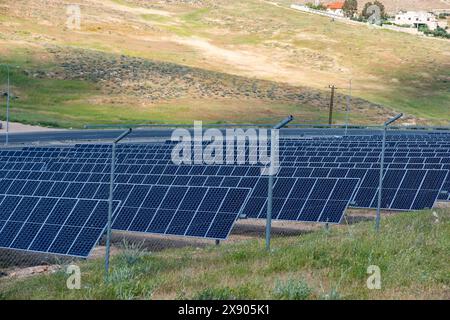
(336, 8)
(416, 19)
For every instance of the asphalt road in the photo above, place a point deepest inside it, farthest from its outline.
(44, 137)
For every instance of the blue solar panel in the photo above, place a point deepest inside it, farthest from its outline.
(303, 199)
(154, 205)
(183, 211)
(365, 197)
(62, 226)
(402, 190)
(253, 180)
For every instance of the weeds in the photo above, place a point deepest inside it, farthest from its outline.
(215, 294)
(132, 253)
(292, 289)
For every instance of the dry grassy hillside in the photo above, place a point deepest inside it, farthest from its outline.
(221, 61)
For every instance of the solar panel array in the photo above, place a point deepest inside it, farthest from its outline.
(54, 199)
(65, 226)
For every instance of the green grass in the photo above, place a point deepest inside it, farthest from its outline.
(48, 102)
(411, 252)
(75, 103)
(156, 18)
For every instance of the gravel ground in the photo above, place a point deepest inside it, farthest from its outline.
(19, 127)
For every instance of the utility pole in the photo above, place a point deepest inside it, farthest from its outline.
(8, 97)
(347, 113)
(330, 116)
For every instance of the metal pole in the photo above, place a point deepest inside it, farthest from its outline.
(347, 114)
(110, 200)
(330, 115)
(8, 94)
(380, 183)
(280, 125)
(269, 209)
(110, 206)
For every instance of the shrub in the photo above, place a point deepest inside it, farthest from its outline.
(438, 32)
(313, 6)
(215, 294)
(132, 253)
(292, 290)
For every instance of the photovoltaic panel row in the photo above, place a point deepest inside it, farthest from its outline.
(331, 206)
(312, 146)
(181, 210)
(170, 168)
(206, 212)
(403, 190)
(167, 149)
(64, 226)
(150, 174)
(402, 137)
(307, 199)
(22, 165)
(301, 151)
(283, 160)
(289, 157)
(396, 181)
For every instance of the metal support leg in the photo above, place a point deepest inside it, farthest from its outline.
(380, 183)
(269, 211)
(110, 200)
(110, 205)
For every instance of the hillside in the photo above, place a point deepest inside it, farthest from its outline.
(411, 252)
(220, 61)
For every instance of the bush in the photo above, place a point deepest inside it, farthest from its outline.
(438, 32)
(424, 29)
(215, 294)
(320, 6)
(292, 290)
(358, 18)
(132, 253)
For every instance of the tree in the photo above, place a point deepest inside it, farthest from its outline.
(367, 13)
(350, 8)
(382, 8)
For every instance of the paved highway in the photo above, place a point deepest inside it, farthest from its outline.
(45, 137)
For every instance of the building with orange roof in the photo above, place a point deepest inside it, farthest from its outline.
(336, 8)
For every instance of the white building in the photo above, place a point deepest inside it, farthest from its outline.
(416, 19)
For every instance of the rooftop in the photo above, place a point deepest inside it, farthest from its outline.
(335, 5)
